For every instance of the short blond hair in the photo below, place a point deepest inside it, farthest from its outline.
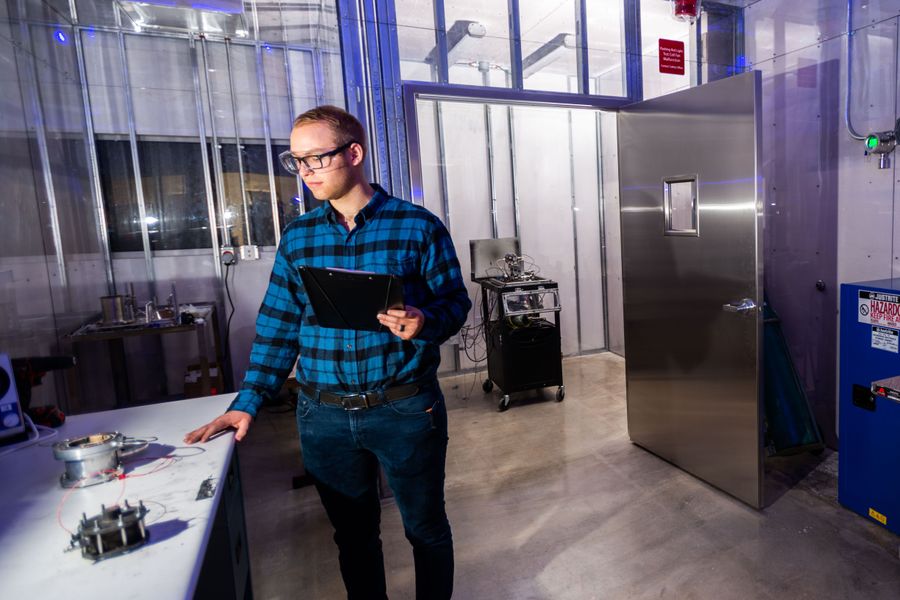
(346, 127)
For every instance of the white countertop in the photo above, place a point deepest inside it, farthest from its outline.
(32, 561)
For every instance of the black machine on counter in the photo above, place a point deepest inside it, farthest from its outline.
(524, 350)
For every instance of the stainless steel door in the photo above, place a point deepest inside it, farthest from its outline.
(692, 276)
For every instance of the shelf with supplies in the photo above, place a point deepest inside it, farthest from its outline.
(204, 375)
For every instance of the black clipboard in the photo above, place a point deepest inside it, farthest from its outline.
(344, 299)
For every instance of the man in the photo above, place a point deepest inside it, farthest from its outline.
(367, 397)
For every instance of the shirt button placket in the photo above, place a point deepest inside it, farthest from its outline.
(353, 336)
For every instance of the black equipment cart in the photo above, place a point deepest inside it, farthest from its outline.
(523, 345)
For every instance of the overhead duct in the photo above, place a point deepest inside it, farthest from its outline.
(214, 17)
(548, 53)
(461, 39)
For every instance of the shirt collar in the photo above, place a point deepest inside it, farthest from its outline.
(368, 211)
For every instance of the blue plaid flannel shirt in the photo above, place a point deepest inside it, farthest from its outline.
(391, 236)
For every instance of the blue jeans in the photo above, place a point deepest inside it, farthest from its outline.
(341, 452)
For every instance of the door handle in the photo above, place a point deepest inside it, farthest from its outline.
(742, 306)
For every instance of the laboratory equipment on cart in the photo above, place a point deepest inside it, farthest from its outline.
(520, 316)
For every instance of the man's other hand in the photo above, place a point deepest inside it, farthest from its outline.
(233, 419)
(404, 323)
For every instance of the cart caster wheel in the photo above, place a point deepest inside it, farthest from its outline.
(561, 393)
(504, 403)
(487, 386)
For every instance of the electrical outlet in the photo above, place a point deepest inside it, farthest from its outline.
(248, 252)
(228, 256)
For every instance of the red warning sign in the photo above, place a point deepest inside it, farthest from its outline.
(671, 57)
(878, 308)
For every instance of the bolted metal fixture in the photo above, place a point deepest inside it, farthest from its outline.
(883, 143)
(116, 530)
(95, 458)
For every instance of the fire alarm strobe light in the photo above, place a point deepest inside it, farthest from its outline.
(686, 10)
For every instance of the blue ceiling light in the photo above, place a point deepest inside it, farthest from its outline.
(60, 36)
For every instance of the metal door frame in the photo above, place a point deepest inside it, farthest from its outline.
(759, 205)
(412, 92)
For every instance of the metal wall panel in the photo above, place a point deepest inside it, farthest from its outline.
(468, 192)
(545, 205)
(802, 102)
(609, 164)
(801, 49)
(588, 206)
(692, 373)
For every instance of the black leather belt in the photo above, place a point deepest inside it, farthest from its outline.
(361, 400)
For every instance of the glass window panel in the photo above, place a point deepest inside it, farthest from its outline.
(416, 39)
(606, 48)
(549, 52)
(310, 24)
(256, 206)
(333, 74)
(16, 171)
(49, 11)
(174, 195)
(220, 109)
(269, 19)
(162, 86)
(478, 42)
(64, 126)
(103, 69)
(246, 91)
(100, 12)
(259, 194)
(117, 182)
(658, 22)
(234, 207)
(277, 93)
(57, 73)
(72, 188)
(681, 205)
(303, 80)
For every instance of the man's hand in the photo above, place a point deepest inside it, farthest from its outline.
(235, 419)
(404, 323)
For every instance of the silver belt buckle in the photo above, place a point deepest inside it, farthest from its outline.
(345, 402)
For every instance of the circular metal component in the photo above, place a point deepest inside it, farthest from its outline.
(116, 530)
(504, 403)
(95, 458)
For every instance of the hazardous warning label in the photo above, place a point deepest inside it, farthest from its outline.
(877, 308)
(885, 339)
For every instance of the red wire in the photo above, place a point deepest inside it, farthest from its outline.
(168, 461)
(68, 493)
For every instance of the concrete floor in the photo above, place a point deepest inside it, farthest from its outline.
(552, 500)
